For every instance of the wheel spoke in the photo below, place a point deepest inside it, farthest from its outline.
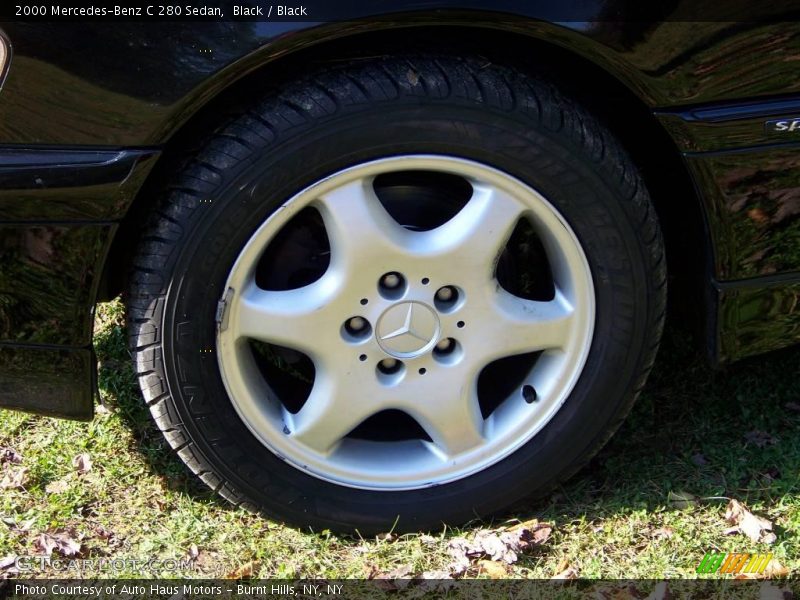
(453, 421)
(519, 326)
(338, 403)
(359, 229)
(292, 318)
(471, 241)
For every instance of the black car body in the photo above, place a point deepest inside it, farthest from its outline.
(94, 115)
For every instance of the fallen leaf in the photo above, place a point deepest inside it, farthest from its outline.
(194, 552)
(102, 409)
(760, 439)
(8, 568)
(66, 543)
(775, 570)
(661, 592)
(386, 537)
(9, 455)
(562, 565)
(662, 533)
(427, 539)
(14, 478)
(492, 568)
(795, 406)
(568, 573)
(699, 460)
(82, 463)
(435, 575)
(59, 486)
(244, 571)
(401, 572)
(681, 499)
(45, 544)
(758, 529)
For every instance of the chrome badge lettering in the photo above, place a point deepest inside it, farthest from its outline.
(783, 125)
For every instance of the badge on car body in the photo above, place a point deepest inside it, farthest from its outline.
(783, 125)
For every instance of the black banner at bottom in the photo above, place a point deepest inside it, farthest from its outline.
(347, 589)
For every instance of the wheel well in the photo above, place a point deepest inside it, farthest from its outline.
(624, 113)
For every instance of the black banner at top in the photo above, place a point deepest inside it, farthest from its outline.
(353, 10)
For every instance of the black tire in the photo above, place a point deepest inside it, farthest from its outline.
(323, 123)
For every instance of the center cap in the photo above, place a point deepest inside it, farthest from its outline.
(407, 329)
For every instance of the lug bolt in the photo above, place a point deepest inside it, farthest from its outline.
(356, 324)
(444, 345)
(445, 294)
(356, 329)
(390, 280)
(388, 364)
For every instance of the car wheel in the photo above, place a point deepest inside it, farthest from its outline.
(402, 292)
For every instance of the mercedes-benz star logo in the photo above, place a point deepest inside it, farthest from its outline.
(407, 329)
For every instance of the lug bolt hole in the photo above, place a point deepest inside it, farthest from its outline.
(529, 394)
(445, 347)
(390, 366)
(460, 324)
(447, 298)
(448, 351)
(392, 285)
(356, 329)
(423, 370)
(362, 358)
(425, 281)
(364, 302)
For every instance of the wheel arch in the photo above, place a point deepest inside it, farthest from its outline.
(579, 65)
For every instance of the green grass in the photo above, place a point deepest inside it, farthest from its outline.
(688, 434)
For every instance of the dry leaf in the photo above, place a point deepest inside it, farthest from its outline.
(699, 460)
(59, 486)
(66, 543)
(758, 529)
(102, 409)
(562, 565)
(8, 568)
(568, 573)
(9, 455)
(435, 575)
(760, 439)
(244, 571)
(82, 463)
(401, 572)
(662, 533)
(795, 406)
(45, 544)
(662, 592)
(681, 499)
(427, 539)
(386, 537)
(775, 569)
(14, 478)
(194, 552)
(492, 568)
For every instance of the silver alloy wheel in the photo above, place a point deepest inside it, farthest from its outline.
(425, 291)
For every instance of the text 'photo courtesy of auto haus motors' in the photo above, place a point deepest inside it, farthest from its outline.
(393, 272)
